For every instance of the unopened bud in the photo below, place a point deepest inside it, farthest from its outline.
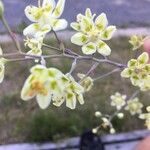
(95, 130)
(120, 115)
(98, 114)
(148, 108)
(112, 131)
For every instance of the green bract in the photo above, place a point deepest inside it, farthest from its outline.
(45, 18)
(138, 70)
(91, 33)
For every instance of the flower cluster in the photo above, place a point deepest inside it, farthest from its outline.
(146, 117)
(134, 106)
(138, 70)
(118, 100)
(50, 84)
(92, 33)
(45, 18)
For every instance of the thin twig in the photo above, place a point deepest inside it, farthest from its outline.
(89, 72)
(11, 34)
(51, 47)
(107, 74)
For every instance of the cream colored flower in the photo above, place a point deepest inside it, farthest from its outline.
(118, 100)
(92, 33)
(45, 18)
(136, 42)
(134, 106)
(73, 91)
(48, 84)
(37, 84)
(138, 70)
(35, 45)
(42, 83)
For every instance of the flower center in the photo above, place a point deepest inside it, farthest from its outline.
(39, 87)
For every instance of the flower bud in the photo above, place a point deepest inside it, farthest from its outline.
(98, 114)
(112, 131)
(120, 115)
(148, 108)
(1, 9)
(95, 130)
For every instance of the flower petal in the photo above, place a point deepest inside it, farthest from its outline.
(86, 24)
(80, 99)
(33, 13)
(79, 39)
(1, 51)
(43, 100)
(54, 73)
(50, 3)
(143, 58)
(89, 48)
(103, 48)
(36, 30)
(88, 13)
(126, 73)
(27, 93)
(101, 22)
(132, 63)
(59, 8)
(58, 100)
(71, 100)
(75, 26)
(108, 33)
(2, 70)
(58, 24)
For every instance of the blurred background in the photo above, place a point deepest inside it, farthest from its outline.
(23, 121)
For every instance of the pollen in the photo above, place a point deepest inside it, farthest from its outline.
(39, 87)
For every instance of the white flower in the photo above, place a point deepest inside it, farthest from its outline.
(72, 92)
(86, 82)
(138, 70)
(37, 84)
(45, 18)
(92, 33)
(134, 106)
(118, 100)
(98, 114)
(35, 45)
